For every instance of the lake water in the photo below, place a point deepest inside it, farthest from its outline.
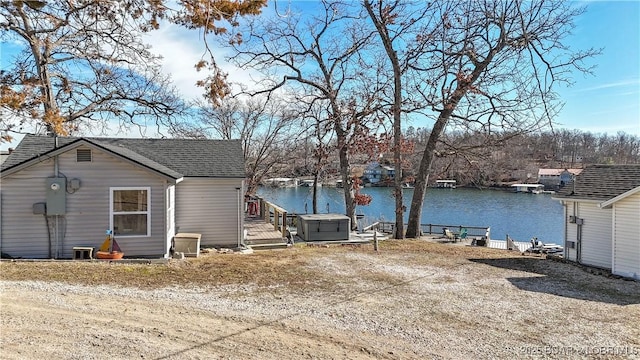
(522, 216)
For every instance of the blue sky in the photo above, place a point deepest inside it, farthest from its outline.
(609, 100)
(606, 102)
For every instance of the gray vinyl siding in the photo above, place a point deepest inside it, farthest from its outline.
(209, 207)
(596, 235)
(626, 249)
(23, 233)
(87, 211)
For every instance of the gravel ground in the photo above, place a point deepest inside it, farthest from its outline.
(386, 307)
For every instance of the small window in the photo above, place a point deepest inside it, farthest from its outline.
(83, 155)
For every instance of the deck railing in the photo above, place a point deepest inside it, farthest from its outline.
(282, 220)
(436, 229)
(273, 214)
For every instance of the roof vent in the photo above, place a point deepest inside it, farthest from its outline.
(83, 155)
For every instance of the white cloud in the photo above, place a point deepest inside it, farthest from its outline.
(181, 49)
(622, 83)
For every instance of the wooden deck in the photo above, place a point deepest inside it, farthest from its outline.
(260, 233)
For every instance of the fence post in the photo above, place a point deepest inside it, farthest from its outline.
(375, 240)
(284, 224)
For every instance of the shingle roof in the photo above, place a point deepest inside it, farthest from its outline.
(602, 182)
(175, 157)
(557, 172)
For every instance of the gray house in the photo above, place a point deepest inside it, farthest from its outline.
(60, 193)
(602, 218)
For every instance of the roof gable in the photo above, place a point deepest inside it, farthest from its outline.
(610, 202)
(602, 182)
(173, 157)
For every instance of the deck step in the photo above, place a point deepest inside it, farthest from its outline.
(265, 241)
(268, 246)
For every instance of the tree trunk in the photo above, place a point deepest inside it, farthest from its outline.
(349, 201)
(397, 147)
(422, 177)
(314, 201)
(396, 109)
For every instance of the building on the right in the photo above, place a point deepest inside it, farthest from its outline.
(602, 218)
(554, 179)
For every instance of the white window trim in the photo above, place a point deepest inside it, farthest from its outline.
(148, 212)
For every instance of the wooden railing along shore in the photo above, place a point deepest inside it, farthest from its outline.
(279, 216)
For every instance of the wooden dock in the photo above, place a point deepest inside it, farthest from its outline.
(502, 244)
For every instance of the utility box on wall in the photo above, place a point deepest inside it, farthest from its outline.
(56, 196)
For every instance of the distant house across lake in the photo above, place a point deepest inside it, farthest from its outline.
(376, 174)
(554, 179)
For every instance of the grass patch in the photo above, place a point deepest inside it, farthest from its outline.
(287, 268)
(300, 269)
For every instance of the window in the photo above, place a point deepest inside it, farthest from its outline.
(130, 211)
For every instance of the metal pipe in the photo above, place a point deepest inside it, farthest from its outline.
(56, 172)
(239, 223)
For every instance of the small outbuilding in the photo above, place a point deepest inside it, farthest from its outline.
(63, 192)
(602, 218)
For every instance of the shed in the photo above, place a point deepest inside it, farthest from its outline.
(64, 192)
(602, 212)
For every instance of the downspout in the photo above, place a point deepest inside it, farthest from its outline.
(164, 220)
(565, 224)
(1, 227)
(579, 245)
(238, 215)
(56, 172)
(578, 234)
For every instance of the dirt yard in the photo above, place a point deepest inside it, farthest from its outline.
(411, 300)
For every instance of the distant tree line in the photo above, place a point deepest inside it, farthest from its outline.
(468, 158)
(517, 157)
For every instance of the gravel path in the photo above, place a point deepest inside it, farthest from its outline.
(387, 309)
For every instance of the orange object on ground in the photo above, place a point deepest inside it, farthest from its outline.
(110, 250)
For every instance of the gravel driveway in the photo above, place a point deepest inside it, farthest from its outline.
(384, 306)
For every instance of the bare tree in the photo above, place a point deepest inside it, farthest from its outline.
(395, 23)
(491, 66)
(264, 127)
(82, 64)
(317, 58)
(318, 128)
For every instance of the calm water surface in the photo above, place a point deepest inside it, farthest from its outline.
(522, 216)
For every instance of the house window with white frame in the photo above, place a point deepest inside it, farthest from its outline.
(130, 211)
